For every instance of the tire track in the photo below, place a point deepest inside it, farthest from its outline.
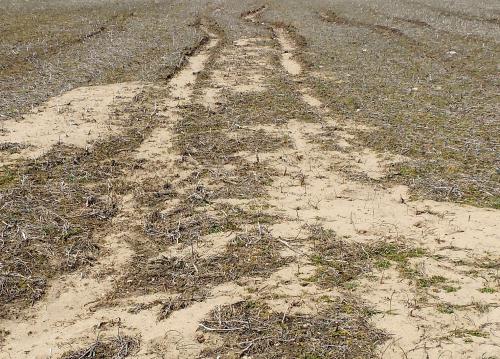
(68, 315)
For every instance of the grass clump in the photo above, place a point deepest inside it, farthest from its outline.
(450, 288)
(251, 254)
(119, 347)
(445, 308)
(186, 223)
(204, 135)
(464, 333)
(427, 282)
(340, 261)
(487, 290)
(340, 329)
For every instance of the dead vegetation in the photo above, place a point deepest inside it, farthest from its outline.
(63, 45)
(340, 330)
(12, 147)
(188, 223)
(176, 303)
(119, 347)
(340, 261)
(204, 132)
(252, 254)
(56, 209)
(47, 225)
(329, 138)
(331, 17)
(433, 102)
(247, 181)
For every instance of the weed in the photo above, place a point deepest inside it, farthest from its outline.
(340, 261)
(426, 282)
(445, 308)
(463, 333)
(487, 290)
(450, 289)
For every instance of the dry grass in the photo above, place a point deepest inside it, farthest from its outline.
(12, 147)
(431, 96)
(47, 223)
(112, 348)
(187, 223)
(252, 254)
(247, 181)
(53, 208)
(328, 139)
(204, 134)
(340, 261)
(176, 303)
(339, 330)
(154, 192)
(52, 46)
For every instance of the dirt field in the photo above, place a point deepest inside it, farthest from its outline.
(257, 179)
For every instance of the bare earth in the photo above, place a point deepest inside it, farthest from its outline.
(287, 181)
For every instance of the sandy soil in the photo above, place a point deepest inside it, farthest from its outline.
(454, 236)
(78, 117)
